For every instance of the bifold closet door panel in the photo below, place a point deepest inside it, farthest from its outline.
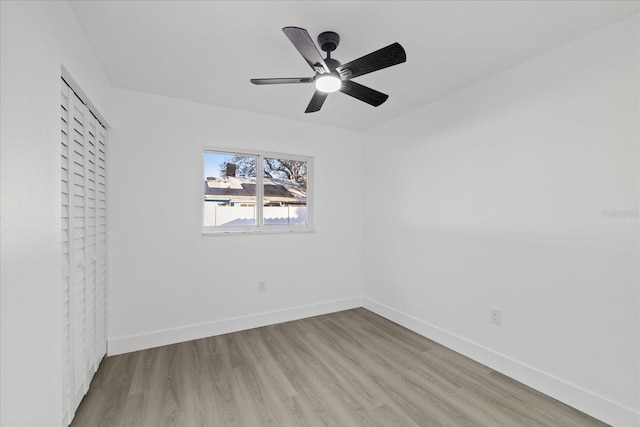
(101, 242)
(78, 259)
(66, 251)
(91, 130)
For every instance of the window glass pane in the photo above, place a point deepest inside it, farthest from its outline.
(285, 191)
(229, 189)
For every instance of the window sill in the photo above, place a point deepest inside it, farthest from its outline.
(265, 230)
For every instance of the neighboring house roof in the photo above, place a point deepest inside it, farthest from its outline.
(243, 189)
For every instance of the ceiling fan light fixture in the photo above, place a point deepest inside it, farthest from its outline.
(328, 83)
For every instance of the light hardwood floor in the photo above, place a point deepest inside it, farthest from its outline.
(351, 368)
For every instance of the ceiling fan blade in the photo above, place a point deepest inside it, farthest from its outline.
(316, 102)
(302, 41)
(363, 93)
(386, 57)
(282, 81)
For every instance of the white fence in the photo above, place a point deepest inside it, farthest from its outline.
(236, 216)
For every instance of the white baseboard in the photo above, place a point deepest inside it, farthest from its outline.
(191, 332)
(574, 396)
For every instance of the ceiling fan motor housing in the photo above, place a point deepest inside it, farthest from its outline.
(332, 63)
(328, 41)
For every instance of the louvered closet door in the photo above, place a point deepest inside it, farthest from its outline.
(83, 163)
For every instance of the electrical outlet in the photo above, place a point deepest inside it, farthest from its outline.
(496, 316)
(262, 286)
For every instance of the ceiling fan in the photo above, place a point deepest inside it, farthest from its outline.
(331, 76)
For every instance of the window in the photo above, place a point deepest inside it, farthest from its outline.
(256, 192)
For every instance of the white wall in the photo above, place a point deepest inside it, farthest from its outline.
(36, 39)
(168, 282)
(498, 202)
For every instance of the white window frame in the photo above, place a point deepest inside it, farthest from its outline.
(260, 227)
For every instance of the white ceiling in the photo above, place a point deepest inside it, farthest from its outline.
(206, 51)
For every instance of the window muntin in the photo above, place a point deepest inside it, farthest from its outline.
(255, 192)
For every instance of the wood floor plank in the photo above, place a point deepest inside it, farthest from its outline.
(347, 355)
(432, 402)
(352, 368)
